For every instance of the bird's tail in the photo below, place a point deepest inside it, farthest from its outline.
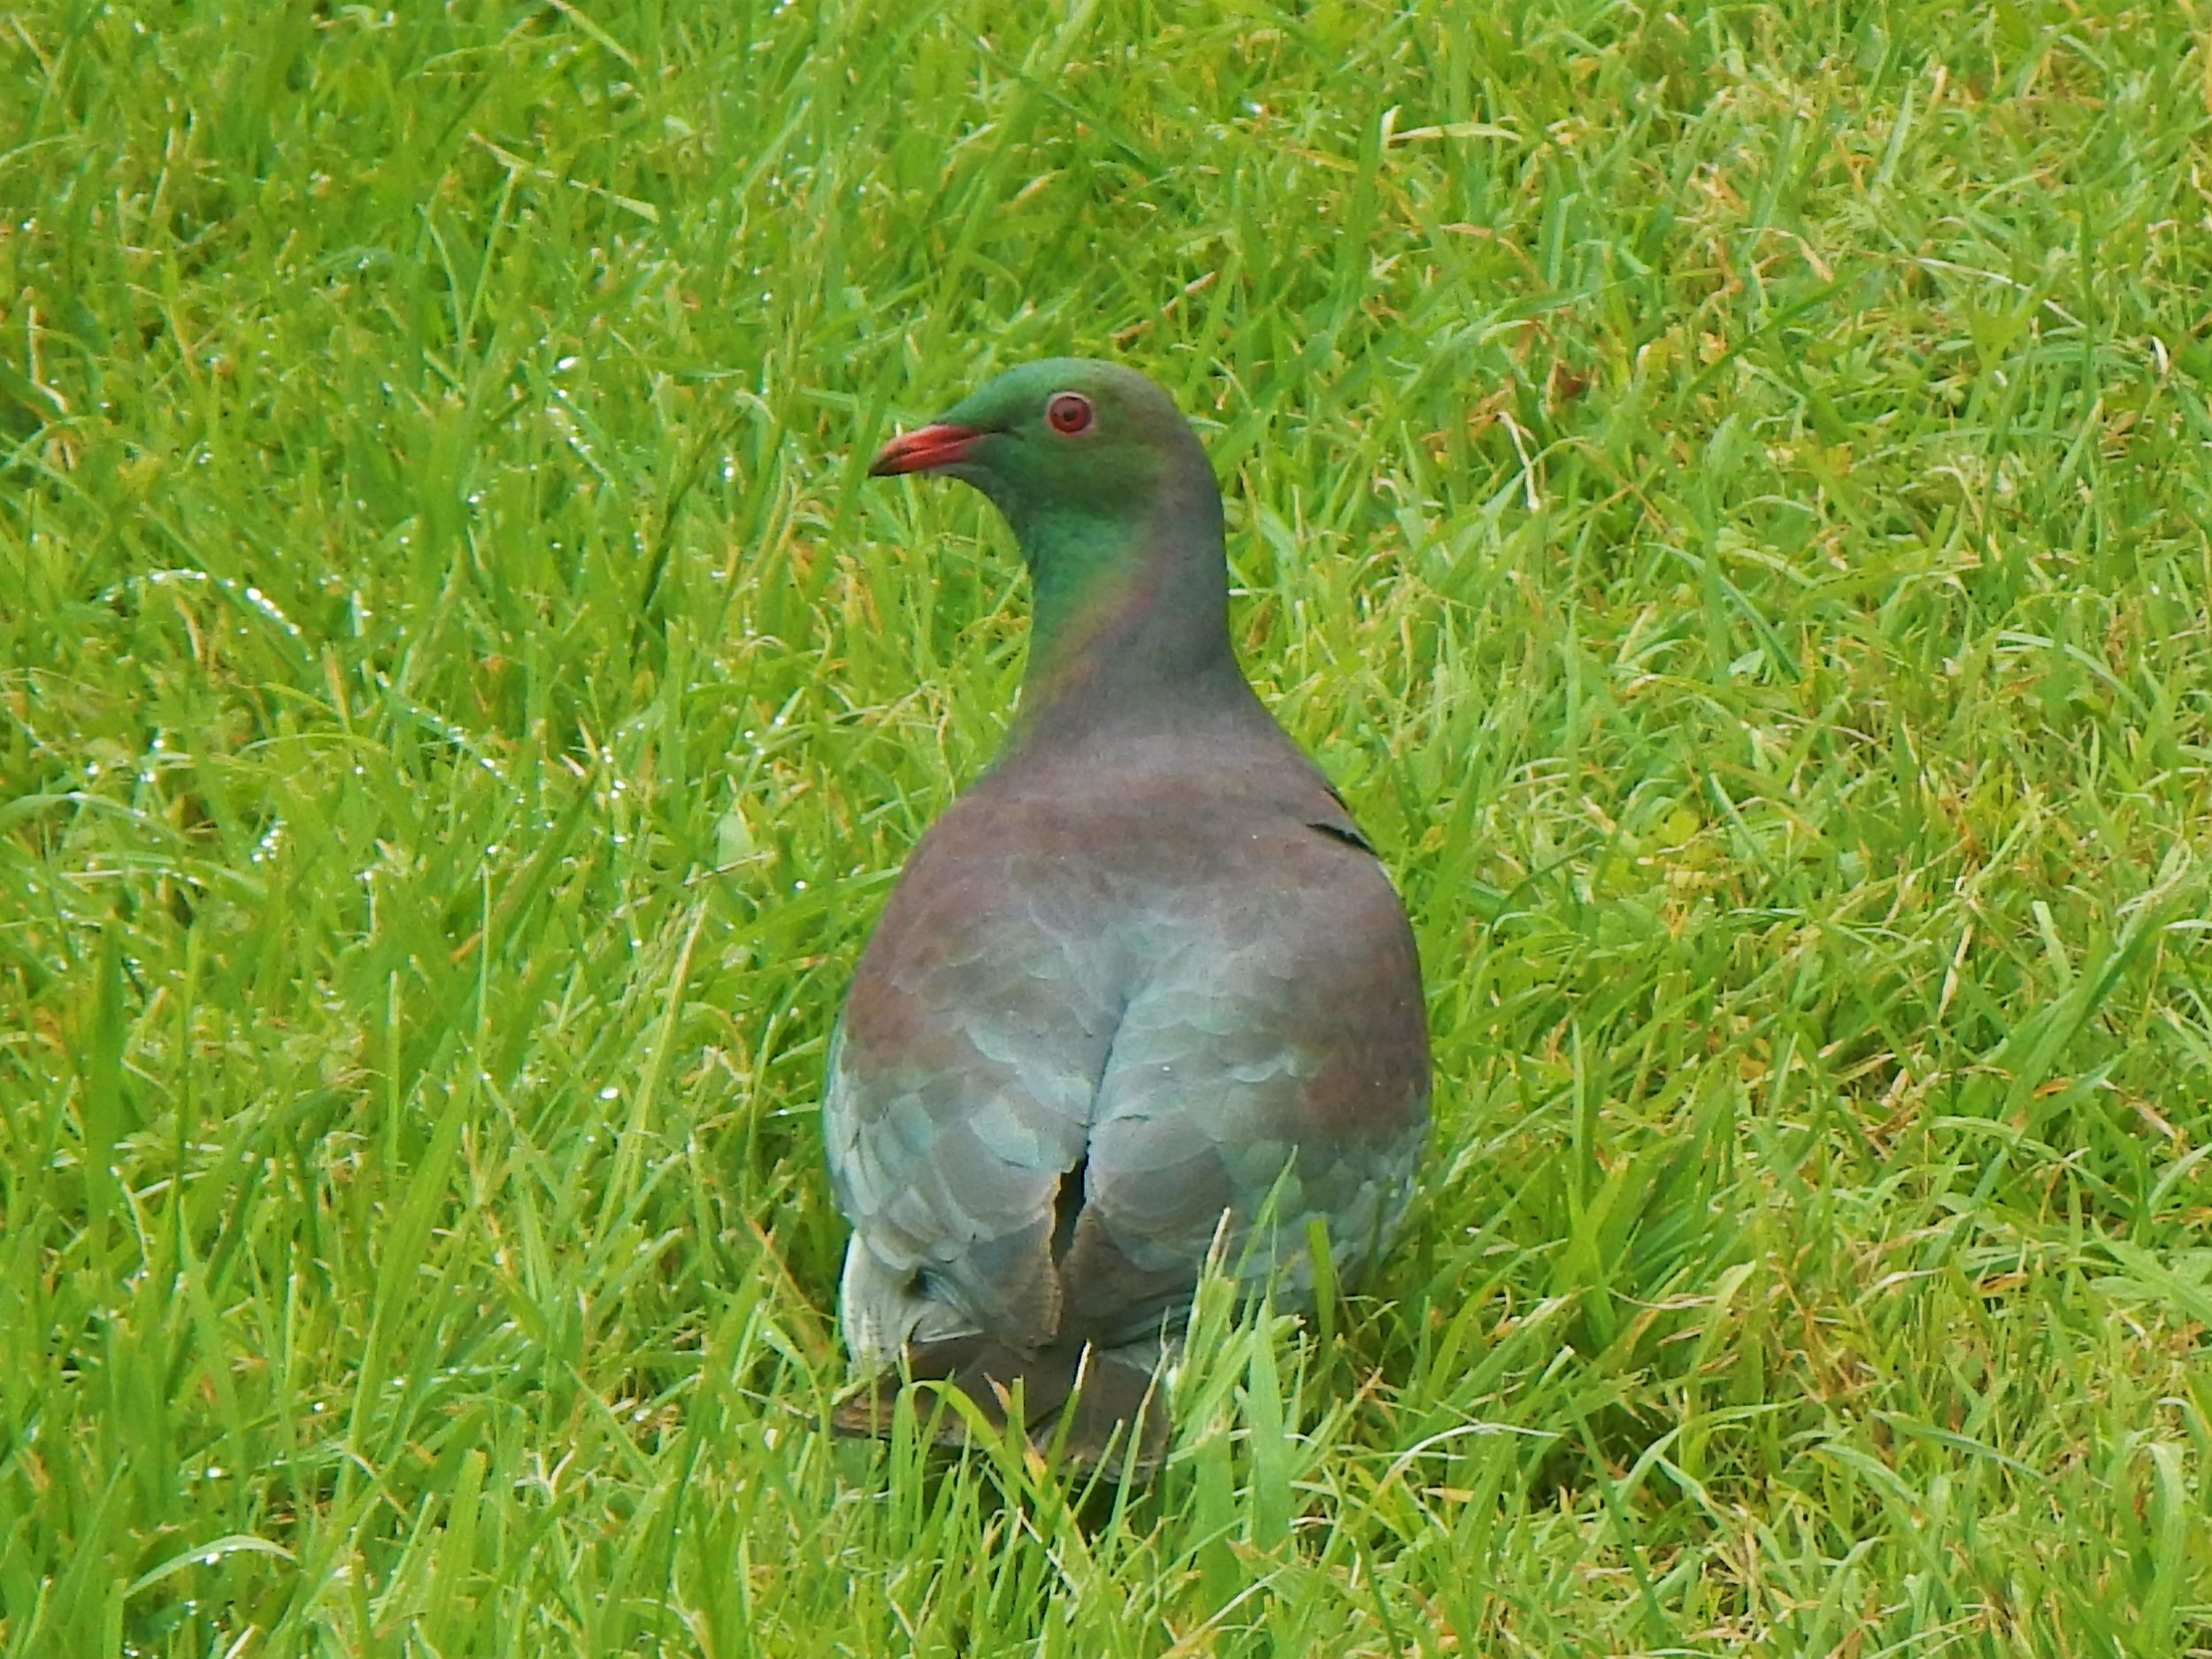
(1076, 1402)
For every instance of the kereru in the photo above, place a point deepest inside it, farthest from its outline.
(1145, 974)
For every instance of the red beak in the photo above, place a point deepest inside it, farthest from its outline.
(925, 446)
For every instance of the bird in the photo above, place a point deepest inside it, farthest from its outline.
(1143, 995)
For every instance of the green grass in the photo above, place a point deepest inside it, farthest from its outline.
(1724, 491)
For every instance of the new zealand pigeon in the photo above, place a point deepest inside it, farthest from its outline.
(1145, 975)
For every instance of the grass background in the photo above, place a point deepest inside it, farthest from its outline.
(1724, 491)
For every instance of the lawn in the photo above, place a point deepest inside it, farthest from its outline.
(1723, 491)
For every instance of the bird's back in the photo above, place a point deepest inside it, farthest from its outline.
(1130, 983)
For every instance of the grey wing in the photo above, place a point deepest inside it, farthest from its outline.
(1273, 1067)
(959, 1099)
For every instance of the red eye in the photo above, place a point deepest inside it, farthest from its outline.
(1068, 412)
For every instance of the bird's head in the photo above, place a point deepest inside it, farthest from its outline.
(1056, 443)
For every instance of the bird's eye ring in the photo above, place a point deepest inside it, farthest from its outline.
(1067, 413)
